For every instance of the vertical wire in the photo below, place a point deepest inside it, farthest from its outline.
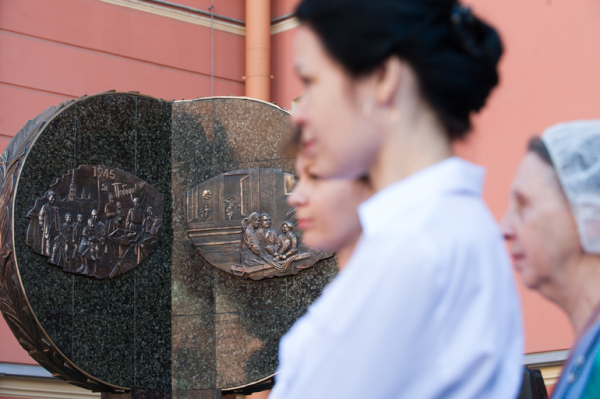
(212, 46)
(73, 276)
(136, 137)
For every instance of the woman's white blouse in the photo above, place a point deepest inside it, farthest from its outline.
(426, 307)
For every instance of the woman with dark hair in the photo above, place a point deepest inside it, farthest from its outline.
(553, 227)
(426, 307)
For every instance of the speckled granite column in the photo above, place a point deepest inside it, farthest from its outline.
(118, 330)
(226, 330)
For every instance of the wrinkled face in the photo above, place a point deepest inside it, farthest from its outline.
(266, 221)
(336, 134)
(539, 226)
(326, 209)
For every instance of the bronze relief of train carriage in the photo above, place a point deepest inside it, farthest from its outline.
(241, 223)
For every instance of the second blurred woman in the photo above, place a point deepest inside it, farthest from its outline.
(327, 211)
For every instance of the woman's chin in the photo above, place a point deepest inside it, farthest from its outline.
(313, 241)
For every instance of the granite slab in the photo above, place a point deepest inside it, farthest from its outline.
(193, 352)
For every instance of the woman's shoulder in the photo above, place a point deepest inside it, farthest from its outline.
(450, 223)
(581, 376)
(463, 218)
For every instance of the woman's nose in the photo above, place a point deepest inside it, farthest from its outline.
(297, 196)
(296, 120)
(298, 117)
(508, 231)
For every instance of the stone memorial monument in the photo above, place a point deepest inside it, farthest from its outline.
(146, 246)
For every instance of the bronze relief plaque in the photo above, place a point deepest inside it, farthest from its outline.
(96, 221)
(241, 223)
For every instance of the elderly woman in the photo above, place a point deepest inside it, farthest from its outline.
(553, 227)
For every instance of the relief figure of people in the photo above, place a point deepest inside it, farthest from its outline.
(88, 249)
(120, 218)
(77, 230)
(48, 221)
(250, 246)
(110, 211)
(135, 218)
(263, 251)
(100, 233)
(267, 237)
(151, 227)
(252, 258)
(66, 241)
(288, 241)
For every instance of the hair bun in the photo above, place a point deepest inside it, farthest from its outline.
(476, 37)
(453, 53)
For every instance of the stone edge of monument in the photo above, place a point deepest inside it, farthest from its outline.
(14, 304)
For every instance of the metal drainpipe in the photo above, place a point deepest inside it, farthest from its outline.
(258, 49)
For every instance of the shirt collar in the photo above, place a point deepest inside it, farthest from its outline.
(451, 175)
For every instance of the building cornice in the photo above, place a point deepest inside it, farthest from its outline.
(178, 15)
(544, 358)
(549, 363)
(195, 19)
(42, 388)
(286, 24)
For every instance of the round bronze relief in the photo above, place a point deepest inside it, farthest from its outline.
(247, 228)
(96, 221)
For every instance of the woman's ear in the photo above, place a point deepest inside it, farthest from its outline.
(391, 78)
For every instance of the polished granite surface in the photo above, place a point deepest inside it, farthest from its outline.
(118, 330)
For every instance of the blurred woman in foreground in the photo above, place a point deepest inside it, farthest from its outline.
(553, 227)
(426, 307)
